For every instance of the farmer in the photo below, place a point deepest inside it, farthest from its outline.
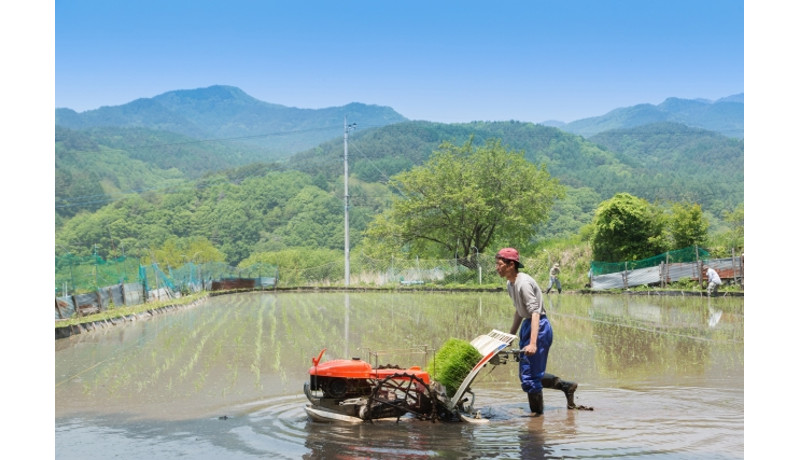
(535, 336)
(713, 280)
(554, 272)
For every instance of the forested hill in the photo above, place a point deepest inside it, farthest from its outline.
(196, 164)
(96, 165)
(226, 112)
(658, 162)
(298, 202)
(675, 162)
(377, 154)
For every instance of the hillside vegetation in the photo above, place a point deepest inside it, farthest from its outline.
(646, 161)
(138, 176)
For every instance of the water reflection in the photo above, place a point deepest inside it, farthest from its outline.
(532, 440)
(346, 337)
(657, 337)
(665, 376)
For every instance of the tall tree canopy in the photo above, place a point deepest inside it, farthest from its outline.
(687, 225)
(735, 219)
(463, 199)
(627, 228)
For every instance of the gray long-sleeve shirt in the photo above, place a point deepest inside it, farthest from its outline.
(527, 296)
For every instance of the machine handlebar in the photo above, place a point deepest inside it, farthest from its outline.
(502, 356)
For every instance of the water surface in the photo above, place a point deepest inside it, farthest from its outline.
(665, 376)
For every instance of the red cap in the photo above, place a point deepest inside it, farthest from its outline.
(510, 254)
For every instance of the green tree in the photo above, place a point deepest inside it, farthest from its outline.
(735, 219)
(627, 228)
(300, 265)
(465, 198)
(200, 250)
(313, 220)
(169, 254)
(175, 252)
(687, 225)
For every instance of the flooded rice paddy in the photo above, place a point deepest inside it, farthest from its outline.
(224, 379)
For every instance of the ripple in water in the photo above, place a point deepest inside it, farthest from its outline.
(662, 422)
(651, 423)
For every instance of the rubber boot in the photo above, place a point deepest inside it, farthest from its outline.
(536, 403)
(569, 391)
(549, 380)
(554, 382)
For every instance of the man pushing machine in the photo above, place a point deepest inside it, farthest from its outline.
(535, 335)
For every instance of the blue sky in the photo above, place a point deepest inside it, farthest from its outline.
(445, 61)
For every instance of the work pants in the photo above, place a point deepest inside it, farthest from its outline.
(531, 368)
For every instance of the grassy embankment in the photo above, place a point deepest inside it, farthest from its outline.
(119, 312)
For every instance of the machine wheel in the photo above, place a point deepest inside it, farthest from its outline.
(398, 394)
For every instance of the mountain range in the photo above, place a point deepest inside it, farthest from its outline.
(724, 116)
(680, 150)
(228, 113)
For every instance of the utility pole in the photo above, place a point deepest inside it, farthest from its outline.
(347, 129)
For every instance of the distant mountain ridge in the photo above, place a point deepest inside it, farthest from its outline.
(212, 140)
(724, 116)
(227, 112)
(186, 134)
